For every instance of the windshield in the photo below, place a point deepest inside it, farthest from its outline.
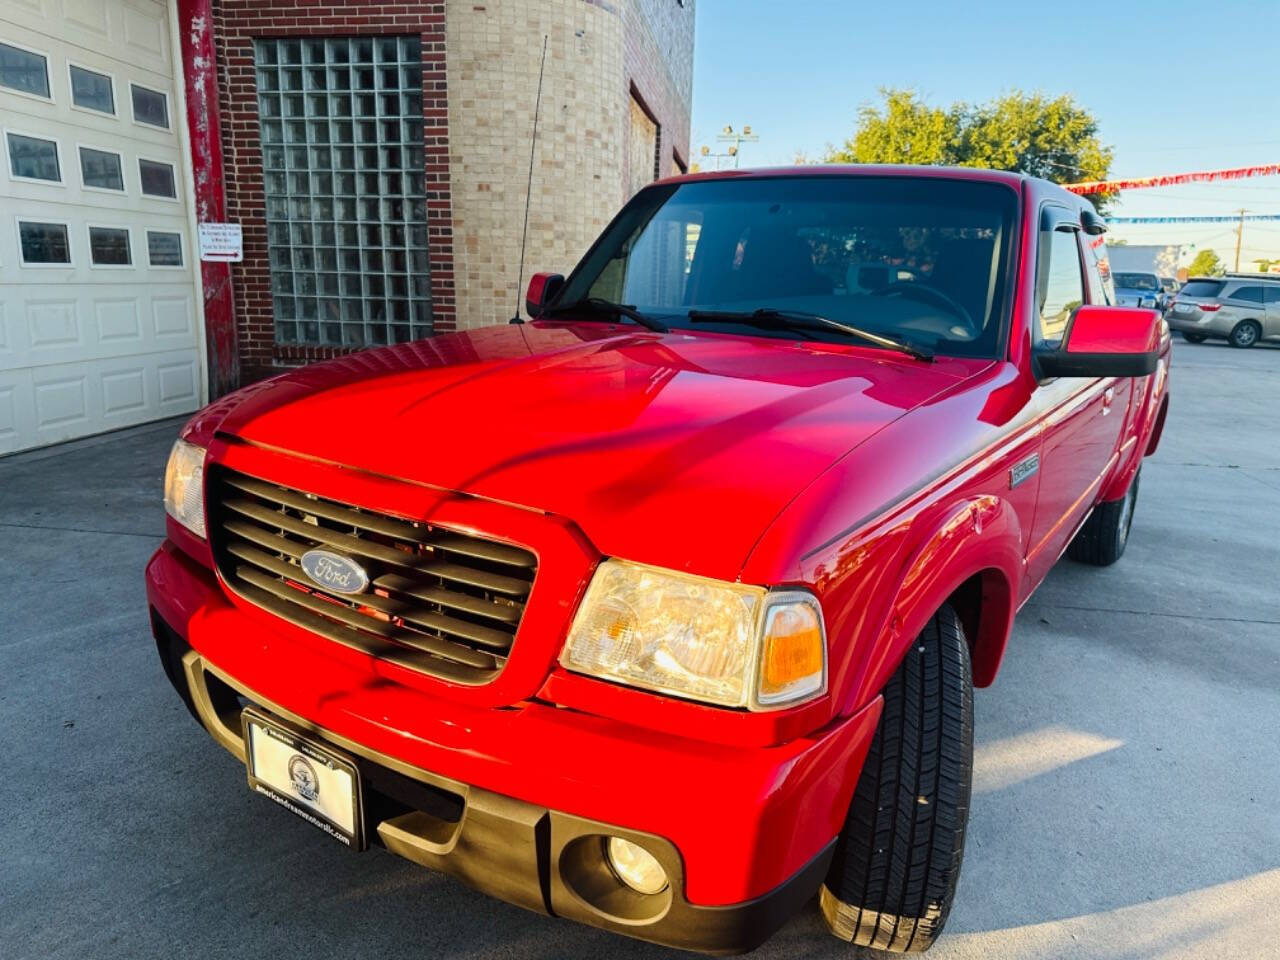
(1137, 281)
(918, 258)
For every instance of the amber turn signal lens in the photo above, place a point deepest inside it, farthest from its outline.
(793, 659)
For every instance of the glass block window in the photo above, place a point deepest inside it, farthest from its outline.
(92, 90)
(346, 204)
(101, 169)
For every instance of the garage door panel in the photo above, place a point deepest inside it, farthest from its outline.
(61, 402)
(90, 15)
(118, 321)
(173, 319)
(53, 324)
(124, 392)
(178, 380)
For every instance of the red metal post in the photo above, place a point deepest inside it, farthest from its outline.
(195, 28)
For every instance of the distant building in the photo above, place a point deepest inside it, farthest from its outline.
(375, 155)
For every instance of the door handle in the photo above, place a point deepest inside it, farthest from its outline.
(1108, 396)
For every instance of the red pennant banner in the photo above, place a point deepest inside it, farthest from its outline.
(1173, 179)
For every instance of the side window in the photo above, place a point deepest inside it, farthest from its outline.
(1273, 294)
(1061, 284)
(1251, 294)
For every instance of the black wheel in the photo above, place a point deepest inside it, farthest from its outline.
(1102, 539)
(897, 861)
(1194, 337)
(1245, 334)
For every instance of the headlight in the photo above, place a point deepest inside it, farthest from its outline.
(184, 486)
(723, 643)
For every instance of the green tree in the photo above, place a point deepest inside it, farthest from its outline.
(1206, 264)
(1054, 138)
(903, 130)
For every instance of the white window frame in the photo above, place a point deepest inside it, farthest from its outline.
(20, 219)
(124, 179)
(182, 250)
(57, 146)
(88, 236)
(48, 73)
(172, 165)
(115, 91)
(168, 108)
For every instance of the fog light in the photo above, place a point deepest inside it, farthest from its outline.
(635, 866)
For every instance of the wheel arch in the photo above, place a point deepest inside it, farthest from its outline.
(973, 560)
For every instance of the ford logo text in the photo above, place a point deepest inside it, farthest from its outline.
(334, 571)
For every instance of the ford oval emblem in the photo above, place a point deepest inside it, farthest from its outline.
(335, 572)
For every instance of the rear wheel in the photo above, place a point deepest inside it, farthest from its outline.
(1194, 337)
(898, 858)
(1245, 334)
(1102, 539)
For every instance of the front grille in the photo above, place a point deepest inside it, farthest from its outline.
(440, 602)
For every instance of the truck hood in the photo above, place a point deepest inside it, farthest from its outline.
(674, 449)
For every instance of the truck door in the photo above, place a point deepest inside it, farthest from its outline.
(1082, 417)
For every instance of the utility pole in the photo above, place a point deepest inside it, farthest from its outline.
(737, 139)
(1239, 237)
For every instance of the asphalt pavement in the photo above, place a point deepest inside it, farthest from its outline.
(1127, 775)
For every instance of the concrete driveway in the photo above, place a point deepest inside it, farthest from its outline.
(1127, 766)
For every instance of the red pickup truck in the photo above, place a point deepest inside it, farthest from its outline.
(662, 610)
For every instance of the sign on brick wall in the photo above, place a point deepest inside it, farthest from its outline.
(221, 243)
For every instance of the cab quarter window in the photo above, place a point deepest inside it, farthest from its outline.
(1061, 284)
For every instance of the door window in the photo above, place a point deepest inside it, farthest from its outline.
(1061, 284)
(24, 71)
(1272, 294)
(92, 90)
(1250, 294)
(33, 158)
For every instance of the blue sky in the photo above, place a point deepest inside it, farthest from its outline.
(1175, 86)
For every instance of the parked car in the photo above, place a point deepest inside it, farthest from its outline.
(663, 610)
(1138, 290)
(1241, 308)
(1168, 290)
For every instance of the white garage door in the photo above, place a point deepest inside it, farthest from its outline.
(98, 322)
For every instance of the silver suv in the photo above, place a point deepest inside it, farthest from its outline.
(1241, 308)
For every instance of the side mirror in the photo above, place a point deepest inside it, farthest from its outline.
(542, 290)
(1105, 342)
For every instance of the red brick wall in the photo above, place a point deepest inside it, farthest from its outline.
(237, 23)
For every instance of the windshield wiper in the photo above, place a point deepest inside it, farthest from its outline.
(600, 305)
(768, 318)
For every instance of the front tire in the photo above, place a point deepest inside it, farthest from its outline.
(1194, 337)
(1102, 539)
(897, 861)
(1245, 334)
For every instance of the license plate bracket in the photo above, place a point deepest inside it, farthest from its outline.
(304, 775)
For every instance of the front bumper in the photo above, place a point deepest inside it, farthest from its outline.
(745, 834)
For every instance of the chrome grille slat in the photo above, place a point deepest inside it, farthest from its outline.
(440, 602)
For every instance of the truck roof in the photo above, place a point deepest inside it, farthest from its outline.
(1014, 180)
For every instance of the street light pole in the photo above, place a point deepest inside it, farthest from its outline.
(1239, 237)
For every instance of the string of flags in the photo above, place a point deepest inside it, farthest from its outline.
(1173, 179)
(1249, 217)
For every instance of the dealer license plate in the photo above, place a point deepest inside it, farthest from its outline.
(306, 777)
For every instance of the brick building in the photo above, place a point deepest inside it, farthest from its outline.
(377, 155)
